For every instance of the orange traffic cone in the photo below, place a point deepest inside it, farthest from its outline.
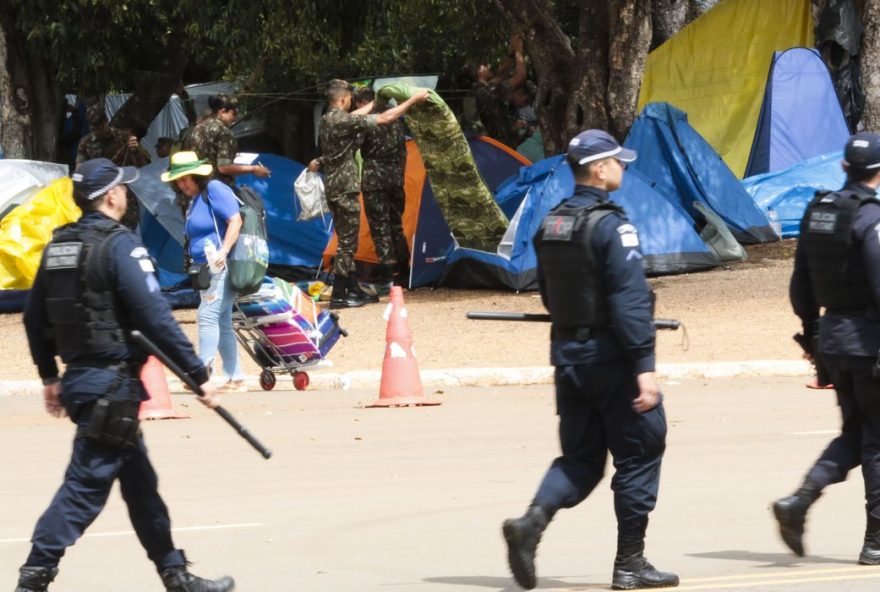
(158, 406)
(401, 385)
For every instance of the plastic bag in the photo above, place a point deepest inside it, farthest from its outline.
(309, 188)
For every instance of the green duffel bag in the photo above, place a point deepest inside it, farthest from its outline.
(249, 258)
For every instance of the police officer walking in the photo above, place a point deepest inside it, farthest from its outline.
(602, 344)
(837, 266)
(339, 137)
(383, 149)
(96, 283)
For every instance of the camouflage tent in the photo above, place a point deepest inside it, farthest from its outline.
(474, 218)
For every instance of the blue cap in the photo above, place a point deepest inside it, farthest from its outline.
(595, 144)
(95, 177)
(863, 151)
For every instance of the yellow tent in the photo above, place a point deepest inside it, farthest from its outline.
(715, 69)
(27, 229)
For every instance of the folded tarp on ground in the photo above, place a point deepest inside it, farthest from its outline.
(788, 192)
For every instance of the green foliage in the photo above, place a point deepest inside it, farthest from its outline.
(278, 45)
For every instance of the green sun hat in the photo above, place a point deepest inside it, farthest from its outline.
(186, 163)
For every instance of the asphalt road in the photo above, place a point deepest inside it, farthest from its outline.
(366, 500)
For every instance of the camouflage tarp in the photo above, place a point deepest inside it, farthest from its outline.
(467, 204)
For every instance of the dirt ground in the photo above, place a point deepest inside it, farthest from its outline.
(733, 313)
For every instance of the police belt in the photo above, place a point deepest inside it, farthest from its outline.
(576, 333)
(131, 368)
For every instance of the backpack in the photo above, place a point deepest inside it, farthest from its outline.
(249, 258)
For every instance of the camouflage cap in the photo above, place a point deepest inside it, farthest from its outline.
(95, 114)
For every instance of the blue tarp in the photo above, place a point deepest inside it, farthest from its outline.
(433, 242)
(789, 191)
(801, 116)
(687, 169)
(668, 239)
(292, 242)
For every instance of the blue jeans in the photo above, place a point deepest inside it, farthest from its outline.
(215, 326)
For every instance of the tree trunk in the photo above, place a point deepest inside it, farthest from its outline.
(30, 102)
(152, 91)
(595, 85)
(668, 17)
(870, 66)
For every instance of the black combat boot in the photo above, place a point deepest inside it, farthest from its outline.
(633, 572)
(178, 579)
(35, 579)
(354, 289)
(523, 535)
(791, 513)
(341, 296)
(870, 554)
(400, 274)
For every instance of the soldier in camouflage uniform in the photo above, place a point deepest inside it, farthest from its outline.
(384, 153)
(212, 139)
(339, 138)
(120, 147)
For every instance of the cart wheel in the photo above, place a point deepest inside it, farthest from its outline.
(300, 381)
(267, 380)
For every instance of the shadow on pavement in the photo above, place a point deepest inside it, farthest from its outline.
(770, 559)
(508, 585)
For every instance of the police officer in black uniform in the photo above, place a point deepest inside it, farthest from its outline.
(96, 283)
(602, 345)
(837, 267)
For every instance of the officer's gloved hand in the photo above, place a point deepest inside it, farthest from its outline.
(649, 392)
(211, 397)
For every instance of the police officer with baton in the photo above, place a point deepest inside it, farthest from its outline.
(837, 267)
(96, 283)
(593, 283)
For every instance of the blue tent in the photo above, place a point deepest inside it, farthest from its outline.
(801, 116)
(668, 239)
(789, 191)
(292, 243)
(687, 169)
(432, 240)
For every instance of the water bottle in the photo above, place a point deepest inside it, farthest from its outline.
(775, 224)
(211, 256)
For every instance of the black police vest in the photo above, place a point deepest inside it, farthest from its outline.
(79, 302)
(574, 281)
(837, 271)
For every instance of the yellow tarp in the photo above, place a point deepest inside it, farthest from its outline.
(26, 230)
(716, 68)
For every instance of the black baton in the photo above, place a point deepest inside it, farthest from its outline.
(148, 345)
(545, 318)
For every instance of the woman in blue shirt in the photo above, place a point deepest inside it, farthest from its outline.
(212, 225)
